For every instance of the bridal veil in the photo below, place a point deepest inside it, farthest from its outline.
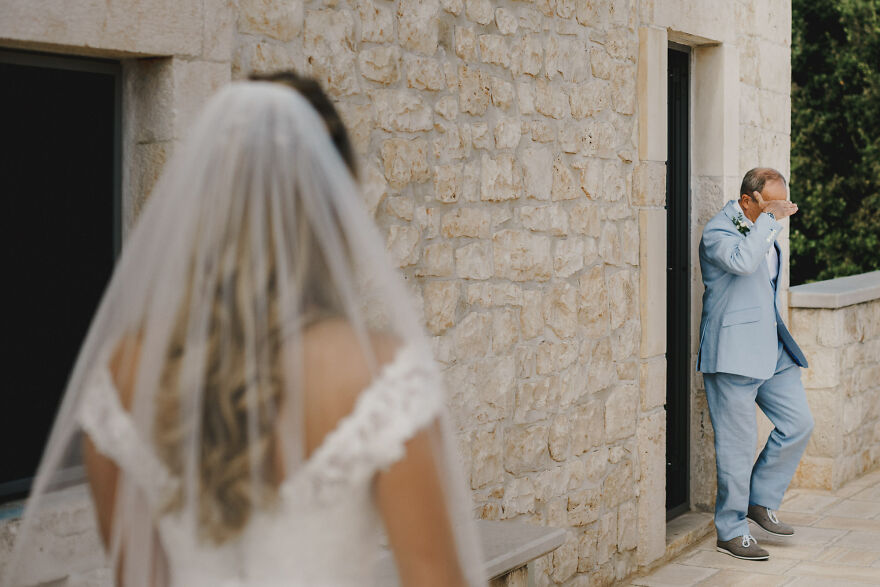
(254, 234)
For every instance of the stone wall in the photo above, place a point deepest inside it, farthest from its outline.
(497, 142)
(842, 346)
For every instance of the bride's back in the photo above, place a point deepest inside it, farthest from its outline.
(243, 419)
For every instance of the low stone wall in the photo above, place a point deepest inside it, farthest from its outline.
(837, 323)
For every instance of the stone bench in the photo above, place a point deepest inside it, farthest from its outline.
(508, 548)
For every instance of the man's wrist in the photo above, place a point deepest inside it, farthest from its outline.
(770, 214)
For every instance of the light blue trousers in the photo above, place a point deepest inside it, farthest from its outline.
(741, 479)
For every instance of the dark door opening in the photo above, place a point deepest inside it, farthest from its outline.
(678, 348)
(59, 180)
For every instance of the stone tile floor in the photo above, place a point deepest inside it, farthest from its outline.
(837, 543)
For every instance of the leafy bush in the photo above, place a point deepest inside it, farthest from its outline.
(835, 138)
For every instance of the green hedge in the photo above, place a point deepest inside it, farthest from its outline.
(835, 138)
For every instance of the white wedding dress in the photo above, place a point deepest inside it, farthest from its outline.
(325, 528)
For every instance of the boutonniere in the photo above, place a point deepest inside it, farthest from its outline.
(739, 222)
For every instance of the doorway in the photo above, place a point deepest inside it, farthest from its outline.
(60, 227)
(678, 348)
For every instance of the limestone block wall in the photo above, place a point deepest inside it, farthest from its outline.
(497, 141)
(505, 159)
(843, 388)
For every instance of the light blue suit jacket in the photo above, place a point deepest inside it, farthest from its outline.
(741, 325)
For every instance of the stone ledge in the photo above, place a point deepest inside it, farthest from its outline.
(507, 546)
(685, 530)
(836, 293)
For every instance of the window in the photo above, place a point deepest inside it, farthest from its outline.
(60, 228)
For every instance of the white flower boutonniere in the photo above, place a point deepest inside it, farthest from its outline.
(739, 222)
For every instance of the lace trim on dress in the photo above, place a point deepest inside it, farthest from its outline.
(403, 399)
(113, 433)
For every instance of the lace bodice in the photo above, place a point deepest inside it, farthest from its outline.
(324, 528)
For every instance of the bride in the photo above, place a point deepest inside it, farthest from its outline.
(256, 403)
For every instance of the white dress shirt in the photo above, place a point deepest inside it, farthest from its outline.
(772, 257)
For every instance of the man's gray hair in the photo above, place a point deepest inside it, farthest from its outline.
(755, 179)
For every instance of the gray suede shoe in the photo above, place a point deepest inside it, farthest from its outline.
(744, 547)
(766, 519)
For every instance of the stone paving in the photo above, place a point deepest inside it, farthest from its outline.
(837, 543)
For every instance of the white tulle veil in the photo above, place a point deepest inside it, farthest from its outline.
(254, 233)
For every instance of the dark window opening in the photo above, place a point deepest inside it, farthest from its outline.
(59, 180)
(678, 293)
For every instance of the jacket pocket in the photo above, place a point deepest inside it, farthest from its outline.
(743, 316)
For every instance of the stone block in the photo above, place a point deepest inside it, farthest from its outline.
(568, 58)
(405, 161)
(587, 548)
(447, 183)
(441, 302)
(550, 100)
(507, 133)
(652, 282)
(622, 297)
(560, 309)
(505, 330)
(651, 93)
(621, 413)
(527, 55)
(584, 219)
(559, 439)
(474, 261)
(501, 92)
(564, 186)
(417, 25)
(652, 383)
(359, 119)
(452, 142)
(550, 219)
(584, 506)
(521, 256)
(588, 99)
(487, 448)
(506, 21)
(824, 368)
(652, 487)
(494, 50)
(121, 27)
(588, 425)
(564, 560)
(473, 90)
(593, 302)
(649, 184)
(466, 44)
(568, 257)
(532, 317)
(472, 335)
(270, 18)
(328, 42)
(553, 357)
(437, 261)
(377, 22)
(380, 64)
(525, 448)
(453, 7)
(500, 178)
(402, 110)
(466, 222)
(607, 543)
(538, 183)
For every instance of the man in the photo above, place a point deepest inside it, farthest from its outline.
(747, 355)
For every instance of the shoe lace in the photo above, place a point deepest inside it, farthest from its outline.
(748, 539)
(772, 515)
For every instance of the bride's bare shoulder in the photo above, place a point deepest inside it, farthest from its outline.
(338, 364)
